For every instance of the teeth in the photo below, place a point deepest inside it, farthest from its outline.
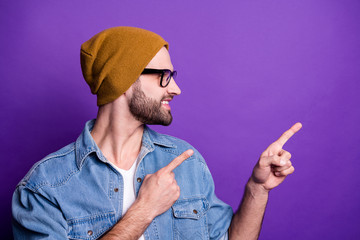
(165, 102)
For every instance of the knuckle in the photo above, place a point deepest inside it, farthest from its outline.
(177, 194)
(162, 173)
(265, 154)
(171, 180)
(288, 171)
(287, 154)
(278, 160)
(287, 163)
(159, 172)
(173, 188)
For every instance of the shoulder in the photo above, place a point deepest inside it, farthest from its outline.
(173, 144)
(164, 139)
(52, 170)
(178, 142)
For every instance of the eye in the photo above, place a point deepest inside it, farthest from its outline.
(167, 74)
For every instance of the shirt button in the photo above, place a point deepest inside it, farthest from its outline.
(194, 211)
(116, 189)
(138, 179)
(90, 232)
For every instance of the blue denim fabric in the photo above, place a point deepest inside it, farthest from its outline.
(75, 193)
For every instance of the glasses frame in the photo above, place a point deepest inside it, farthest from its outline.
(162, 72)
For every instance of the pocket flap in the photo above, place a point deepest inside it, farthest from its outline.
(193, 208)
(90, 227)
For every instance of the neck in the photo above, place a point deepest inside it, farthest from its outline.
(118, 134)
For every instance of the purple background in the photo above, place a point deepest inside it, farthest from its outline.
(248, 71)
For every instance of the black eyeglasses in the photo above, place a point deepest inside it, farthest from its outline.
(166, 75)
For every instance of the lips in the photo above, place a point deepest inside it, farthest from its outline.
(165, 103)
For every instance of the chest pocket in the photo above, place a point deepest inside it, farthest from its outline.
(90, 227)
(189, 220)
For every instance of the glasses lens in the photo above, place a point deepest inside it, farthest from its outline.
(166, 77)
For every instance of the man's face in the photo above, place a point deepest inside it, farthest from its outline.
(146, 109)
(149, 102)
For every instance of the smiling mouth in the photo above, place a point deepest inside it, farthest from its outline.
(165, 103)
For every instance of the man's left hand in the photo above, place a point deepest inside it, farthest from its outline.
(274, 163)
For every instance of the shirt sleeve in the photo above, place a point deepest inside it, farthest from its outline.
(220, 214)
(35, 217)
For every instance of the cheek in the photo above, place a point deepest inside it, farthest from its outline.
(147, 90)
(149, 85)
(154, 93)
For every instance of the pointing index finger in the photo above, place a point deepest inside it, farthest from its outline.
(288, 134)
(178, 160)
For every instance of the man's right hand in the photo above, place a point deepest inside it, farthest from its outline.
(157, 194)
(160, 190)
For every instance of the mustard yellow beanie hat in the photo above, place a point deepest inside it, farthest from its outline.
(113, 59)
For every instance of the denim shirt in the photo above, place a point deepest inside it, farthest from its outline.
(75, 193)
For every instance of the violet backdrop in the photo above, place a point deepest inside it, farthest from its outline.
(248, 71)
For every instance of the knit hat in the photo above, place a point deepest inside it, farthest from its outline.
(112, 60)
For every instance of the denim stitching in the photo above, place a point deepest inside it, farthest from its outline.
(28, 175)
(155, 229)
(62, 182)
(98, 218)
(196, 198)
(35, 187)
(101, 216)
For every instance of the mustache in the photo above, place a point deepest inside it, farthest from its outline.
(168, 97)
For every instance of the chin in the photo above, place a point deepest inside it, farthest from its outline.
(163, 121)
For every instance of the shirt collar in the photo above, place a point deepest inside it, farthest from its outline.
(85, 144)
(151, 138)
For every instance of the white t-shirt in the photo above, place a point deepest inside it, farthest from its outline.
(129, 188)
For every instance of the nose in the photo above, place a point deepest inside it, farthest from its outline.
(173, 88)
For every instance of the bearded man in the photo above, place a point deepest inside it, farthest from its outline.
(122, 180)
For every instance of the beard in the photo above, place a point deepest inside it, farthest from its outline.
(148, 110)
